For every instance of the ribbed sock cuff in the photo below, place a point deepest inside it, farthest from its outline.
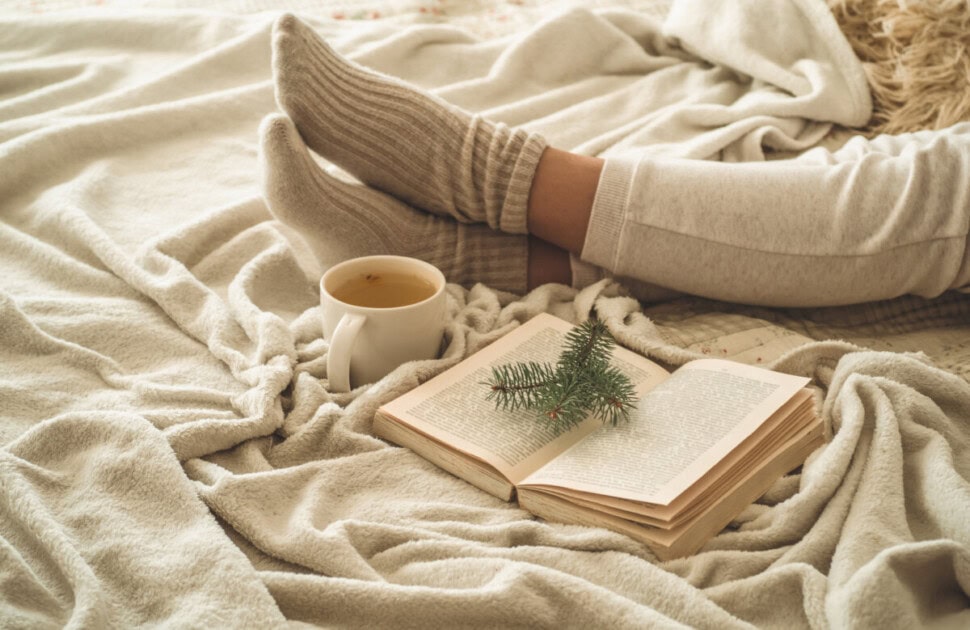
(514, 219)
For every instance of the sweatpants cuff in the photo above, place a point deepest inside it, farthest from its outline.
(608, 212)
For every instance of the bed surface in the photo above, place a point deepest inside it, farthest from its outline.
(171, 455)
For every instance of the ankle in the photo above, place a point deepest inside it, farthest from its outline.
(561, 199)
(547, 263)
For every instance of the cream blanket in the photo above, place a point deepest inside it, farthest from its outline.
(171, 454)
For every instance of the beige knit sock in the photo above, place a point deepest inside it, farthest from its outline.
(400, 139)
(341, 220)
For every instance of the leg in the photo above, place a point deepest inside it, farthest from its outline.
(341, 220)
(872, 221)
(400, 139)
(560, 202)
(547, 263)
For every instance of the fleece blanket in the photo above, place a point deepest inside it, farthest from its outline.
(171, 454)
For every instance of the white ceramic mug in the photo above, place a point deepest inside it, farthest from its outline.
(366, 343)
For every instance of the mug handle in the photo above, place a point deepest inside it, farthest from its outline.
(341, 347)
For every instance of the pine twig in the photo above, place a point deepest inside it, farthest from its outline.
(518, 385)
(581, 384)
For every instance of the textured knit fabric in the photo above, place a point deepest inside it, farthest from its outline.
(872, 220)
(400, 139)
(341, 220)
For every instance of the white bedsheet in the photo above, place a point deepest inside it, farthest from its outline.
(171, 454)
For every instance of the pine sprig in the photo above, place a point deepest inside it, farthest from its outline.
(581, 384)
(519, 385)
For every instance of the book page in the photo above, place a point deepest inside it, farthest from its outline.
(691, 535)
(452, 408)
(790, 421)
(680, 430)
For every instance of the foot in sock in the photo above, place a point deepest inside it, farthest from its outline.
(341, 220)
(401, 139)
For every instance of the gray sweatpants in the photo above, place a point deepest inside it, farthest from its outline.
(871, 220)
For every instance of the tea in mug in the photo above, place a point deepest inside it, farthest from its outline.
(384, 290)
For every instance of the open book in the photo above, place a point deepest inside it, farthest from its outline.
(701, 445)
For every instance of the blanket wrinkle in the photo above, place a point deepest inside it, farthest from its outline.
(830, 70)
(171, 454)
(67, 482)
